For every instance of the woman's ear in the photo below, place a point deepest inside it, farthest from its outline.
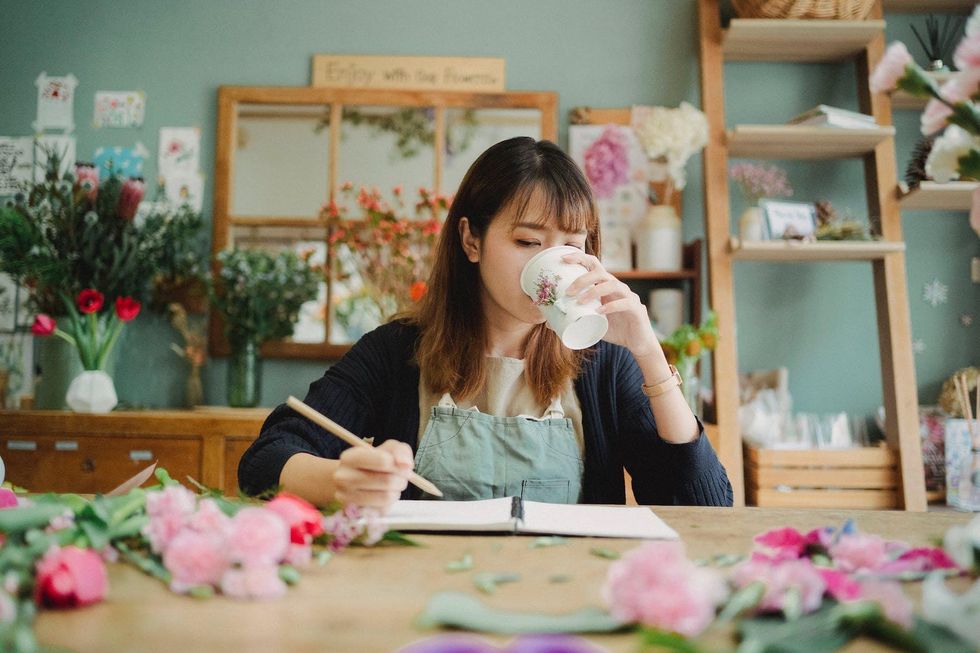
(471, 244)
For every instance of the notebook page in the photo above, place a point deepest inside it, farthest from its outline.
(594, 521)
(486, 515)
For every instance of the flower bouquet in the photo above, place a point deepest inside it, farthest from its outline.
(55, 547)
(683, 349)
(952, 108)
(671, 136)
(92, 332)
(381, 252)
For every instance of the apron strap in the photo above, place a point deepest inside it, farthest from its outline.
(553, 411)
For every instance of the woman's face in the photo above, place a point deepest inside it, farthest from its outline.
(501, 254)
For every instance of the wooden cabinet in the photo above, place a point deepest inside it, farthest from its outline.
(58, 451)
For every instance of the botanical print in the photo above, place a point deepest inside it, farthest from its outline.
(179, 150)
(546, 289)
(55, 102)
(119, 109)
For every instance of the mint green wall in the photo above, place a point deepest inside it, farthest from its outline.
(817, 318)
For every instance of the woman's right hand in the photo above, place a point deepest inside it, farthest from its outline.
(373, 477)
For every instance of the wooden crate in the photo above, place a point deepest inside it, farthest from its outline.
(866, 477)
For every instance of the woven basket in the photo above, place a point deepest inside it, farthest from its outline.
(839, 9)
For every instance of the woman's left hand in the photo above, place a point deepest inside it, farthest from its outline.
(629, 322)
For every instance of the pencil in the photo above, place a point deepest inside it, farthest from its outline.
(314, 416)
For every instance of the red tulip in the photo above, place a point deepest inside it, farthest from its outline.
(68, 577)
(130, 197)
(44, 325)
(127, 308)
(90, 300)
(305, 521)
(87, 180)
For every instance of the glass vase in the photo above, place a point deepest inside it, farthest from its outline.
(244, 375)
(687, 367)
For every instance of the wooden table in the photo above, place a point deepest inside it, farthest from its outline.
(366, 599)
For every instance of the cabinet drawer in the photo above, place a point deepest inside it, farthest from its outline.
(93, 463)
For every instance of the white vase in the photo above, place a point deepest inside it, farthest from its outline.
(750, 224)
(658, 239)
(92, 391)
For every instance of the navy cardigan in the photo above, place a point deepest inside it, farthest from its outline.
(373, 391)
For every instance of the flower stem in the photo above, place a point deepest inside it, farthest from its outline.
(112, 335)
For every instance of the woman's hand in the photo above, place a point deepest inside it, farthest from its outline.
(373, 477)
(629, 322)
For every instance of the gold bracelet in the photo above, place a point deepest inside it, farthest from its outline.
(660, 387)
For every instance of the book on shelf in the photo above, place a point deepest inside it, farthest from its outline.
(520, 516)
(824, 115)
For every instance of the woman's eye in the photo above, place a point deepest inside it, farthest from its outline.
(580, 246)
(528, 243)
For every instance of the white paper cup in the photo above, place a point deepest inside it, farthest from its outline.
(545, 278)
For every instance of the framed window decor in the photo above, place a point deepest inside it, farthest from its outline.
(789, 220)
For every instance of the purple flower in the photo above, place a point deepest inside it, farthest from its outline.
(546, 289)
(760, 180)
(607, 162)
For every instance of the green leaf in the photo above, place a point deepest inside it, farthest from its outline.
(820, 632)
(323, 557)
(487, 581)
(603, 552)
(148, 564)
(792, 604)
(201, 592)
(122, 508)
(129, 528)
(289, 574)
(97, 534)
(667, 641)
(463, 564)
(164, 477)
(969, 165)
(743, 600)
(18, 520)
(394, 537)
(546, 541)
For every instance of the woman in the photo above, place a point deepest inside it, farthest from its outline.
(456, 389)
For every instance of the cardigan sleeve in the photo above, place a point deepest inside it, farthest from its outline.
(346, 393)
(664, 473)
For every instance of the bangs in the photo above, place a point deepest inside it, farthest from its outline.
(561, 200)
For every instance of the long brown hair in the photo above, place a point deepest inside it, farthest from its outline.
(453, 337)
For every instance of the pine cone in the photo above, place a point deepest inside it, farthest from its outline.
(915, 171)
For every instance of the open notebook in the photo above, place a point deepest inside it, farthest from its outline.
(517, 515)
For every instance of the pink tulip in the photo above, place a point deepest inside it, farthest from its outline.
(891, 68)
(69, 577)
(44, 325)
(130, 197)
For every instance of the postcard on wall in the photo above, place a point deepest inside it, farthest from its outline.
(14, 311)
(179, 151)
(16, 162)
(62, 146)
(55, 102)
(616, 167)
(185, 189)
(122, 161)
(119, 109)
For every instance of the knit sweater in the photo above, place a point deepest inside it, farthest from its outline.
(373, 391)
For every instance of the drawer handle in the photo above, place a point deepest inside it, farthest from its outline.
(137, 455)
(22, 445)
(88, 465)
(66, 445)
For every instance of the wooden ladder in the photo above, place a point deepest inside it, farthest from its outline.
(807, 41)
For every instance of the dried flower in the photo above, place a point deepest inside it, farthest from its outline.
(760, 180)
(672, 135)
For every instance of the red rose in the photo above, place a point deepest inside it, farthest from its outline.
(69, 577)
(127, 308)
(44, 325)
(305, 521)
(90, 300)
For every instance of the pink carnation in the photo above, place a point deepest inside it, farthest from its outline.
(859, 552)
(299, 555)
(169, 510)
(259, 581)
(657, 585)
(779, 578)
(889, 595)
(195, 559)
(839, 585)
(920, 559)
(257, 537)
(934, 117)
(209, 518)
(343, 527)
(786, 543)
(891, 68)
(967, 55)
(607, 162)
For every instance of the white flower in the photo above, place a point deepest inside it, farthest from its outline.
(973, 24)
(956, 612)
(674, 134)
(943, 162)
(962, 543)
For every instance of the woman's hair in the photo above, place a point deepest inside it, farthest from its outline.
(453, 337)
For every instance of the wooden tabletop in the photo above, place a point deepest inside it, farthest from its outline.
(366, 599)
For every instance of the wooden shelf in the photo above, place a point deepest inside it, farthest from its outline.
(953, 196)
(929, 6)
(760, 39)
(793, 142)
(903, 100)
(789, 250)
(654, 275)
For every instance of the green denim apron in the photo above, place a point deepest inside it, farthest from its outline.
(471, 455)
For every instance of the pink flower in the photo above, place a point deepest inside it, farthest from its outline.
(839, 585)
(257, 537)
(90, 300)
(658, 586)
(69, 577)
(889, 595)
(127, 308)
(607, 162)
(299, 555)
(975, 211)
(130, 197)
(761, 180)
(7, 498)
(305, 521)
(859, 552)
(967, 55)
(44, 325)
(253, 582)
(87, 180)
(209, 519)
(169, 510)
(195, 559)
(343, 527)
(919, 560)
(935, 117)
(891, 68)
(785, 542)
(779, 578)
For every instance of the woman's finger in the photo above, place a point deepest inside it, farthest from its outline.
(606, 290)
